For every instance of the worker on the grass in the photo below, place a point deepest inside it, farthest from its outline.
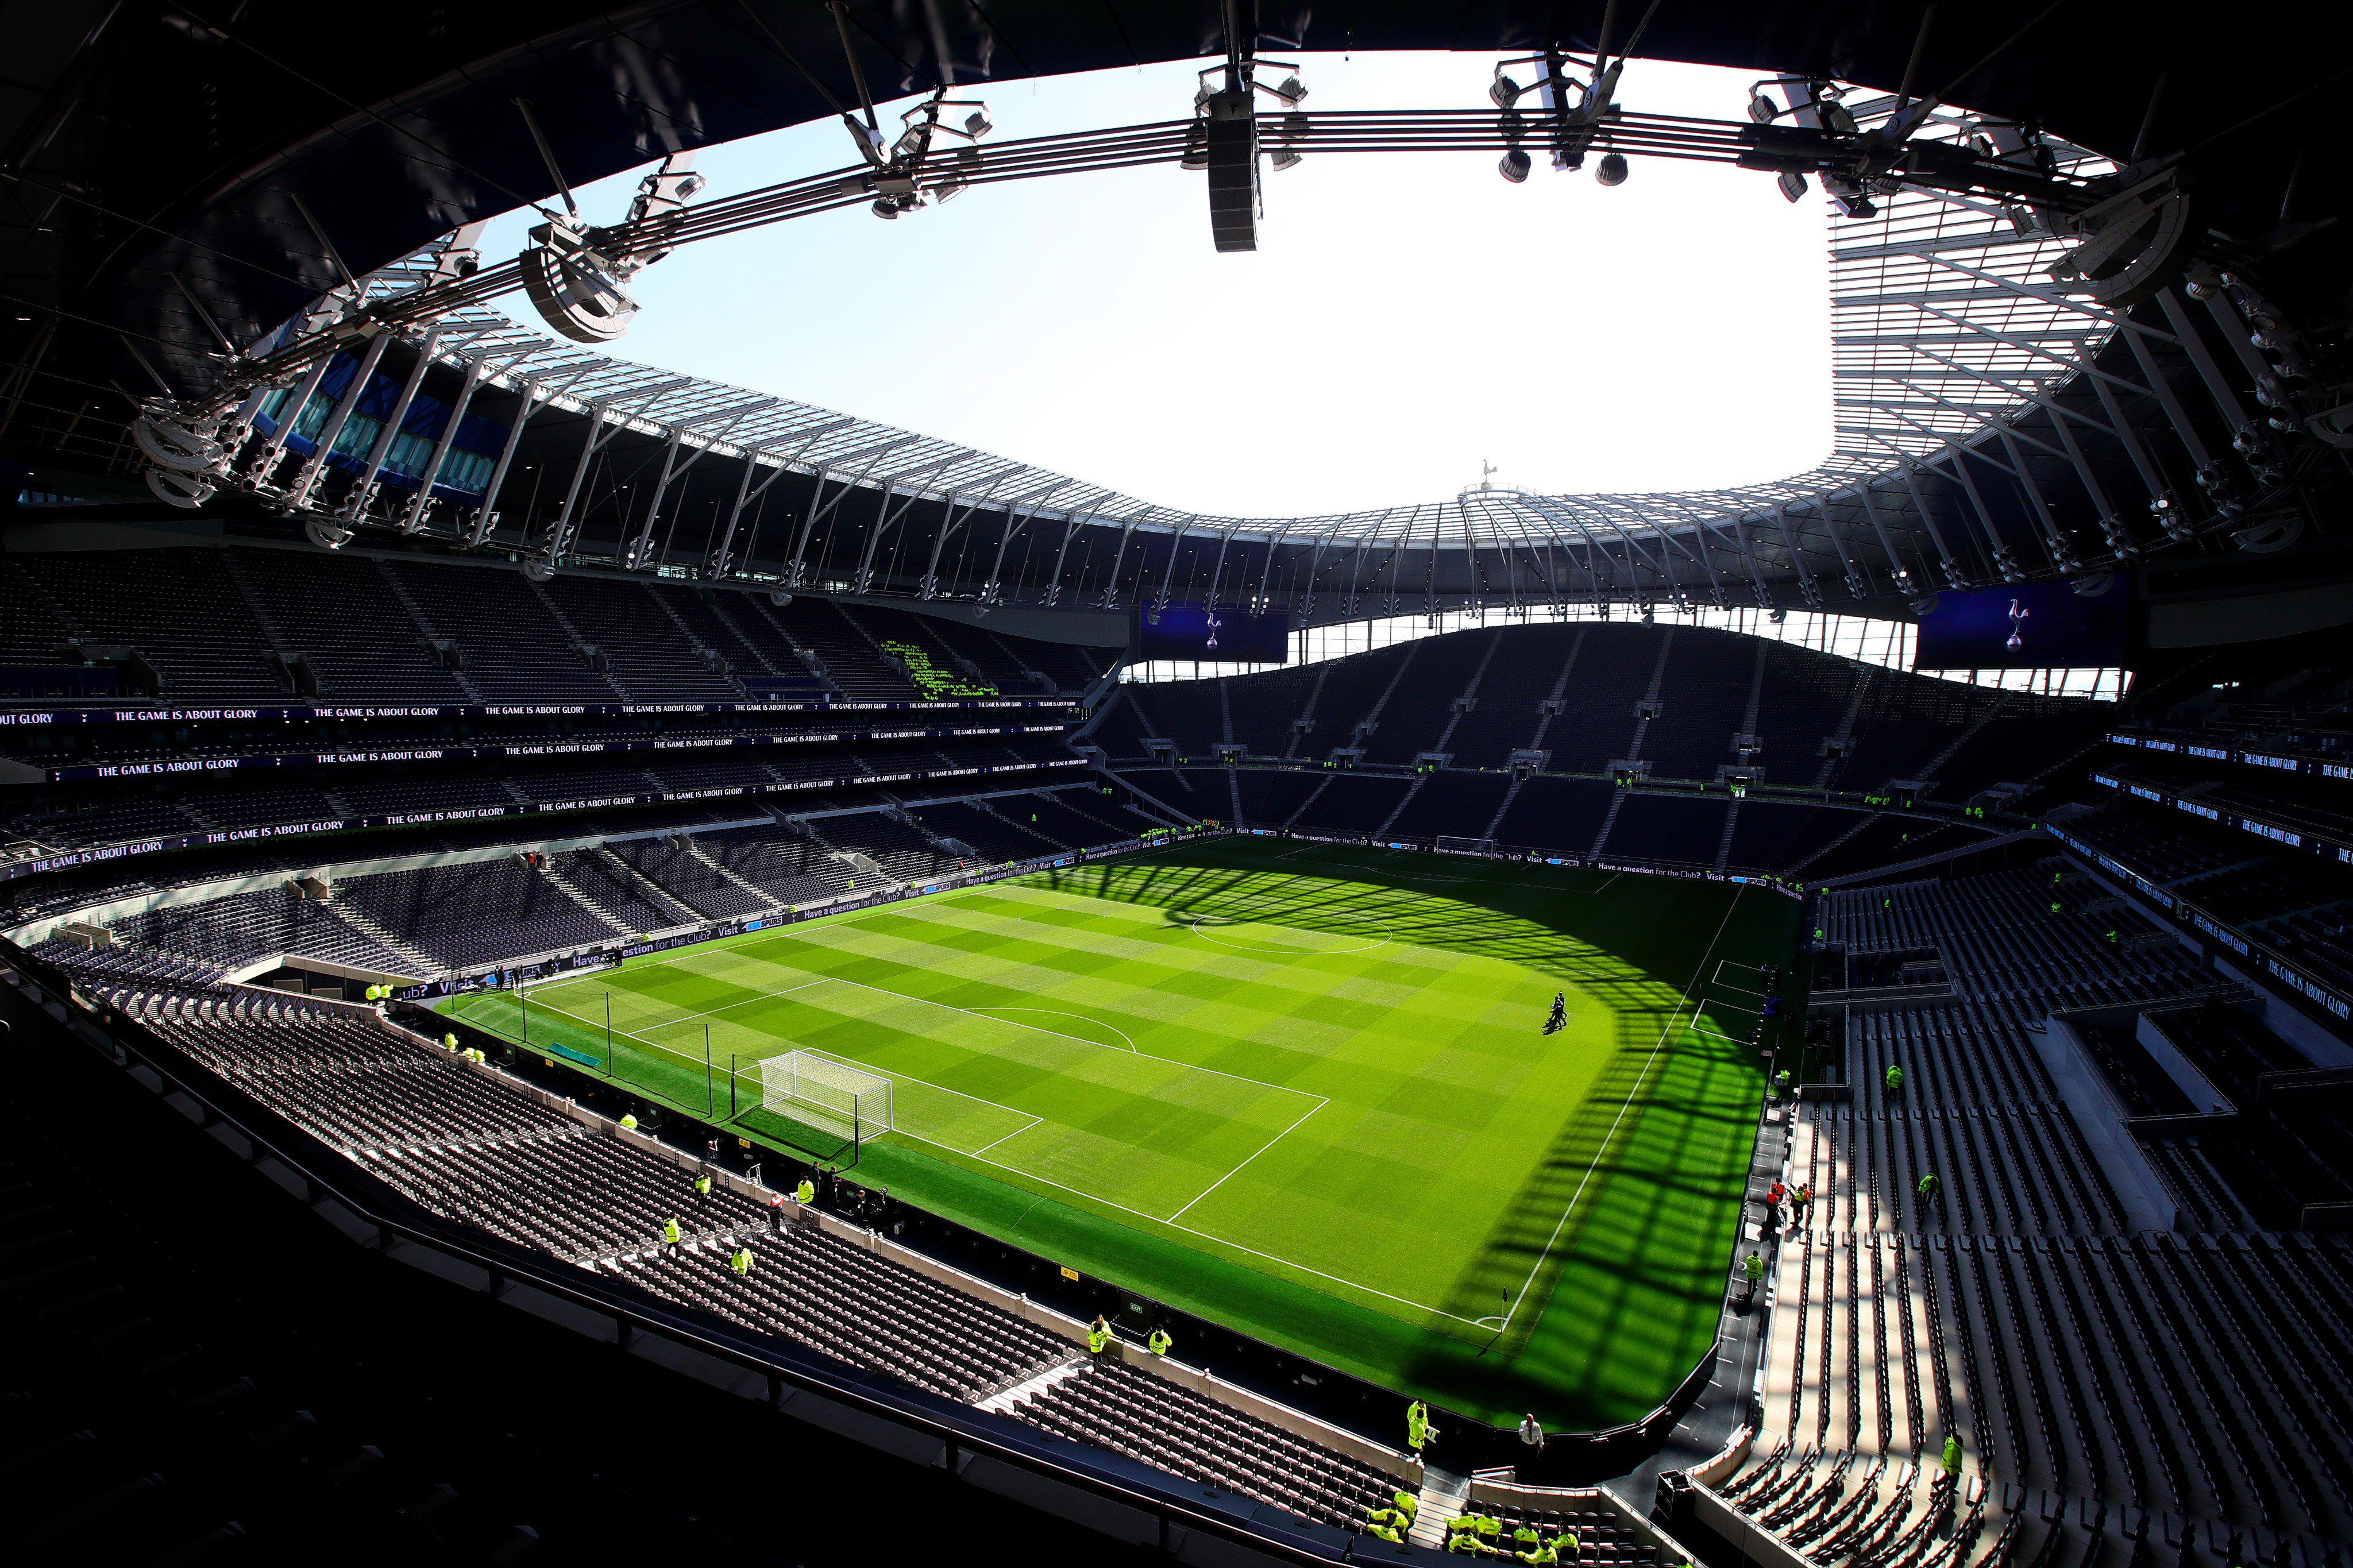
(742, 1262)
(1159, 1343)
(671, 1234)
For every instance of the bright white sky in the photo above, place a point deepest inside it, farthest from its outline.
(1403, 320)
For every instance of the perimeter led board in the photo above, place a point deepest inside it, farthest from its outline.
(2027, 626)
(1214, 636)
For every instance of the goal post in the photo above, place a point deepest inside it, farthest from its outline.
(831, 1095)
(1448, 844)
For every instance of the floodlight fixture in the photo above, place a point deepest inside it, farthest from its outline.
(779, 599)
(1503, 91)
(577, 276)
(183, 490)
(1611, 169)
(1292, 130)
(1514, 165)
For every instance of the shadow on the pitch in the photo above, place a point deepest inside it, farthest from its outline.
(1619, 1226)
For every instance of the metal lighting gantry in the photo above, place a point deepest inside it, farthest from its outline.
(2021, 387)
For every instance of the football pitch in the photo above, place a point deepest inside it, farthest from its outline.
(1301, 1090)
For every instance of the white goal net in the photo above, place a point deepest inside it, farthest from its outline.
(830, 1096)
(1449, 844)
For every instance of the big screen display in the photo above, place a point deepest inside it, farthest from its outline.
(1213, 635)
(2031, 626)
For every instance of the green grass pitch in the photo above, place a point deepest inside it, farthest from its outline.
(1298, 1089)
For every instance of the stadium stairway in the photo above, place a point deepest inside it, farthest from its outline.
(1444, 1495)
(370, 926)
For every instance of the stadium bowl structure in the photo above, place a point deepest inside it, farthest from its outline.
(1939, 1157)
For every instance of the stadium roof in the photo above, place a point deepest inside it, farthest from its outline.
(197, 182)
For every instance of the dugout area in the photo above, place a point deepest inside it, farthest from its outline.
(1299, 1089)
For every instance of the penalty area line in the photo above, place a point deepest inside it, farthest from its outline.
(1321, 1101)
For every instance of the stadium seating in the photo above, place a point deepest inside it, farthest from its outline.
(185, 615)
(2003, 943)
(481, 913)
(340, 613)
(791, 869)
(512, 647)
(1154, 1421)
(2192, 1375)
(700, 884)
(253, 625)
(990, 834)
(901, 851)
(1401, 701)
(467, 1145)
(235, 931)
